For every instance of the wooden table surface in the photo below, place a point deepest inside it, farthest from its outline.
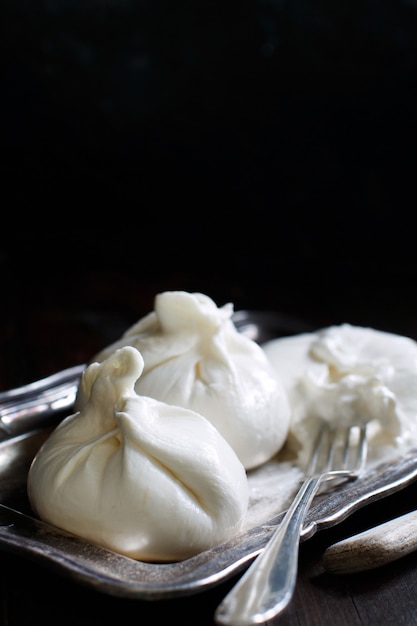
(69, 299)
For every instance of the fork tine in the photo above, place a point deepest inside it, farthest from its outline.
(317, 449)
(346, 447)
(331, 449)
(343, 447)
(338, 445)
(355, 452)
(347, 453)
(363, 448)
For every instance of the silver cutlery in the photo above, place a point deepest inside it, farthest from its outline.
(267, 587)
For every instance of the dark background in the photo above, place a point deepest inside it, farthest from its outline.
(260, 151)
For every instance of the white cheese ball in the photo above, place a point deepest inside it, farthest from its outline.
(347, 375)
(196, 358)
(145, 479)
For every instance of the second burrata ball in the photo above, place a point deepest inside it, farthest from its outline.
(194, 357)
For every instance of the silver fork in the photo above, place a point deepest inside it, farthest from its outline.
(268, 585)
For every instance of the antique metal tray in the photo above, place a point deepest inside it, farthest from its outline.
(27, 416)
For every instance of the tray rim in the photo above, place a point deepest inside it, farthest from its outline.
(117, 575)
(114, 574)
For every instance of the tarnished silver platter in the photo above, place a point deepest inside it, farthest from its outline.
(271, 489)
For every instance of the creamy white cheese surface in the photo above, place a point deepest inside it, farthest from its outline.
(149, 480)
(195, 357)
(349, 374)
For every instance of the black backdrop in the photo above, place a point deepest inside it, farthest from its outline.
(265, 147)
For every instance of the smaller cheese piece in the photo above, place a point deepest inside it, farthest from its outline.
(148, 480)
(347, 375)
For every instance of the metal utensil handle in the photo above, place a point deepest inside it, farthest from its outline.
(267, 586)
(373, 547)
(33, 405)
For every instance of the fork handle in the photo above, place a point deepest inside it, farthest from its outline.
(268, 585)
